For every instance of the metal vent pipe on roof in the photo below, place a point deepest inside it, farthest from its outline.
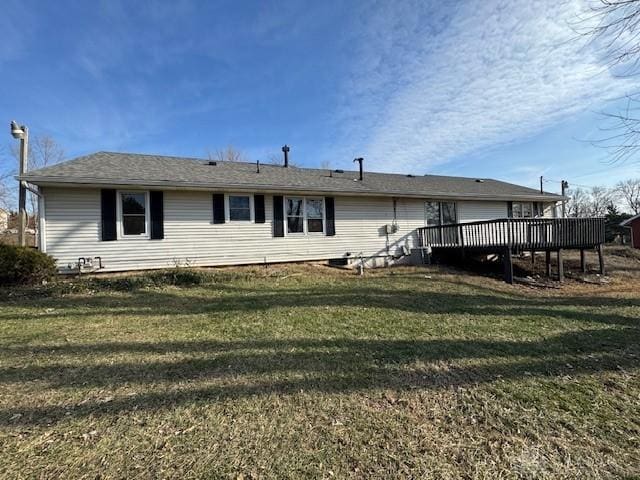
(285, 150)
(360, 160)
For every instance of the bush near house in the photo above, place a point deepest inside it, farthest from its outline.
(24, 266)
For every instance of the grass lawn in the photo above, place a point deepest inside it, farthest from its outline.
(305, 371)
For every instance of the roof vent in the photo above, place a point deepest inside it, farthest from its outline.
(360, 160)
(339, 170)
(212, 163)
(410, 176)
(480, 180)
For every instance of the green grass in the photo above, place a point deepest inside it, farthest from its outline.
(302, 371)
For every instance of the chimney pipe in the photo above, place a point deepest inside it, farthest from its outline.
(359, 160)
(285, 150)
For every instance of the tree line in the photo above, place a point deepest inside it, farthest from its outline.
(598, 201)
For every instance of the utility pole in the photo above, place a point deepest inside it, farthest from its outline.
(563, 186)
(22, 133)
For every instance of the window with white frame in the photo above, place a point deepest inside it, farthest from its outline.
(439, 213)
(522, 210)
(304, 215)
(134, 214)
(315, 215)
(295, 214)
(239, 208)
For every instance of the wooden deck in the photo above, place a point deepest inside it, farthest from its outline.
(507, 236)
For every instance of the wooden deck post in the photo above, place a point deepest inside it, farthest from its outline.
(560, 266)
(601, 259)
(548, 262)
(583, 261)
(508, 265)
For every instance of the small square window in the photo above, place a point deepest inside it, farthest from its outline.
(239, 208)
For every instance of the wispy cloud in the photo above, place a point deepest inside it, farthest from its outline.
(432, 83)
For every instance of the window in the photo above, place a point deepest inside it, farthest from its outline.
(133, 208)
(315, 214)
(295, 215)
(305, 215)
(239, 208)
(432, 213)
(522, 210)
(439, 213)
(448, 212)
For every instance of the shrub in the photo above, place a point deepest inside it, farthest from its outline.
(24, 266)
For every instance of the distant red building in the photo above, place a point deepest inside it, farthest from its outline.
(633, 224)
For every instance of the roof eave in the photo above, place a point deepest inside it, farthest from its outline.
(628, 221)
(98, 182)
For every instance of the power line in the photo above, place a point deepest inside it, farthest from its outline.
(572, 183)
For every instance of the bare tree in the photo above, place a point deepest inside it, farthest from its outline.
(578, 204)
(5, 181)
(278, 160)
(229, 154)
(615, 26)
(5, 192)
(629, 192)
(43, 151)
(599, 199)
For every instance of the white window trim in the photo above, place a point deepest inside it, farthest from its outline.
(522, 210)
(305, 227)
(227, 212)
(147, 223)
(440, 214)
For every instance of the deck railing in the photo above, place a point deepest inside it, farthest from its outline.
(517, 233)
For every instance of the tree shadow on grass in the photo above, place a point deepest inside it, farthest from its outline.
(218, 371)
(211, 371)
(233, 299)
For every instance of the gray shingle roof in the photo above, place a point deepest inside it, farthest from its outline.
(106, 168)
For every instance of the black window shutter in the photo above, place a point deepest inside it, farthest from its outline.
(156, 198)
(510, 209)
(108, 215)
(536, 209)
(218, 208)
(278, 213)
(258, 208)
(330, 210)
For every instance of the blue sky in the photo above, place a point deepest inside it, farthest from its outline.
(494, 89)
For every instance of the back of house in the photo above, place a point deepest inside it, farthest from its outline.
(129, 211)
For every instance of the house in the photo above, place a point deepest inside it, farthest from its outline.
(119, 211)
(633, 224)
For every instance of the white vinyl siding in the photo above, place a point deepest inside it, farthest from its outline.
(477, 211)
(73, 230)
